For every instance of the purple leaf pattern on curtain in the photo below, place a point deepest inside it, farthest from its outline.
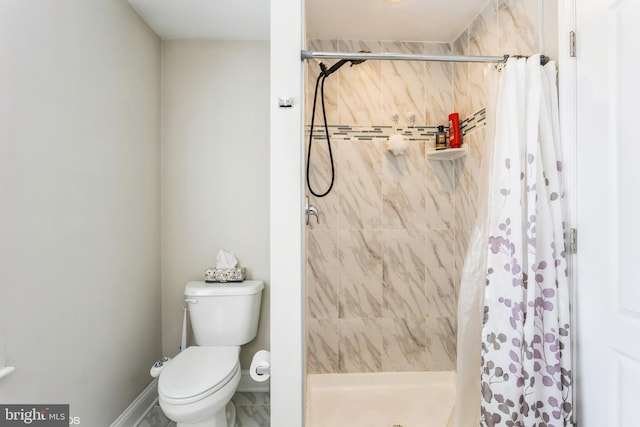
(526, 360)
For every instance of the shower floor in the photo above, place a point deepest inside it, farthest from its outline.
(389, 399)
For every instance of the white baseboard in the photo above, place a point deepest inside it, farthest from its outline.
(139, 407)
(247, 384)
(145, 401)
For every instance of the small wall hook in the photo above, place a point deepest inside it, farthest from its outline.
(395, 117)
(411, 118)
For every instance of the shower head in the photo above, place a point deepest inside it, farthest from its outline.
(327, 71)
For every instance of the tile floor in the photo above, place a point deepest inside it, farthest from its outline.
(252, 410)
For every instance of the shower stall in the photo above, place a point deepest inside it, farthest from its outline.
(384, 260)
(382, 264)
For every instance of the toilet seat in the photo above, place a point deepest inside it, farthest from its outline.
(198, 372)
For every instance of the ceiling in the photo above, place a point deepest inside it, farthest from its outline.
(411, 20)
(206, 19)
(416, 20)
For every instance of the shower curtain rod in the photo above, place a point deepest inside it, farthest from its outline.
(307, 54)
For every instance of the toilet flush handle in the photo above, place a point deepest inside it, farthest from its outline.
(191, 300)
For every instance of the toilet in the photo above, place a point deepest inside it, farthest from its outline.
(196, 387)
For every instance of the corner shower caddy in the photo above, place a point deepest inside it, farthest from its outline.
(447, 164)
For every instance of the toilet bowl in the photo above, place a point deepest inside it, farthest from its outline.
(195, 388)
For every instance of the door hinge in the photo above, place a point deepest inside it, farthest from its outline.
(572, 44)
(573, 241)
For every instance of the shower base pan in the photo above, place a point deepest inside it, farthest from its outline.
(388, 399)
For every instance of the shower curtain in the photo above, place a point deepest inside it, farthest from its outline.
(525, 338)
(473, 278)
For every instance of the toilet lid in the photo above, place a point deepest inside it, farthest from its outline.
(198, 370)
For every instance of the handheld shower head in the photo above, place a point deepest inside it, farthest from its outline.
(359, 61)
(324, 73)
(327, 71)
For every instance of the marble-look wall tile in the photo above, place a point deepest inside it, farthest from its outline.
(403, 189)
(441, 344)
(312, 69)
(322, 274)
(483, 40)
(360, 348)
(472, 174)
(439, 205)
(464, 204)
(477, 86)
(440, 263)
(519, 25)
(360, 273)
(471, 193)
(320, 180)
(465, 207)
(326, 206)
(461, 77)
(475, 154)
(322, 346)
(360, 188)
(461, 248)
(404, 345)
(404, 274)
(360, 87)
(483, 31)
(439, 81)
(440, 210)
(458, 171)
(403, 84)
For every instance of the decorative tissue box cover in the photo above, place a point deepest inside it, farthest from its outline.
(224, 274)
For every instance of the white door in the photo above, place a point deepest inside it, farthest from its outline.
(608, 209)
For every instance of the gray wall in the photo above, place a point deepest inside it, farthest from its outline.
(79, 218)
(215, 170)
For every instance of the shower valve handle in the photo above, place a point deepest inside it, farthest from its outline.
(313, 211)
(310, 210)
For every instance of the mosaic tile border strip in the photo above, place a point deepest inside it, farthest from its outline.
(476, 121)
(413, 133)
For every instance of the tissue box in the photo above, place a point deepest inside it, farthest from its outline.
(224, 274)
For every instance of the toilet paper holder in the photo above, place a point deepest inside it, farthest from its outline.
(263, 370)
(260, 370)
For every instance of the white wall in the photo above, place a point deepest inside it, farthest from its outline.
(287, 242)
(79, 192)
(215, 170)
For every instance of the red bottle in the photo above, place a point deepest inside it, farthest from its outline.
(454, 131)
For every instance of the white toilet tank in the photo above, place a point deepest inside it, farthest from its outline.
(224, 314)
